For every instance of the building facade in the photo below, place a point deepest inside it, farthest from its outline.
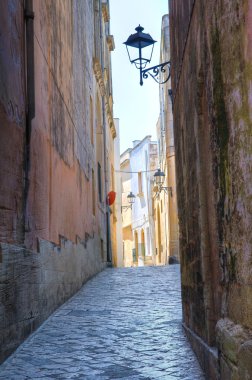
(56, 156)
(126, 210)
(138, 165)
(211, 51)
(165, 201)
(118, 248)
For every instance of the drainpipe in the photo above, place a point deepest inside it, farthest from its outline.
(109, 253)
(30, 93)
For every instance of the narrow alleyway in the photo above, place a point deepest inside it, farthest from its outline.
(123, 324)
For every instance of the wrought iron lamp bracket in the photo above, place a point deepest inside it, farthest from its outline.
(154, 71)
(167, 190)
(125, 208)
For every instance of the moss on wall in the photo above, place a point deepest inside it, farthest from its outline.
(221, 122)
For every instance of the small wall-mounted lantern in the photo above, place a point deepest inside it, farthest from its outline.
(131, 199)
(159, 178)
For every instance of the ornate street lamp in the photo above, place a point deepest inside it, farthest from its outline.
(131, 199)
(141, 41)
(159, 178)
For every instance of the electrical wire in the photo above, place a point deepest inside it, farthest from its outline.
(141, 171)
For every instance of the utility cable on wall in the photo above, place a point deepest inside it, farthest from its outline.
(140, 171)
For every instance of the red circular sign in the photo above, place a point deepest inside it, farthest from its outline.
(111, 197)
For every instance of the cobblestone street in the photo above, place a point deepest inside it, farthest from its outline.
(123, 324)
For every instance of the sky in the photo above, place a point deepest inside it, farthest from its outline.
(137, 107)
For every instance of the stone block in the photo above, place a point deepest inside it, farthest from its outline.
(229, 338)
(245, 361)
(207, 356)
(39, 289)
(228, 371)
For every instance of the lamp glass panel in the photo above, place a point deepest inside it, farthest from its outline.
(159, 177)
(147, 52)
(133, 53)
(131, 198)
(159, 180)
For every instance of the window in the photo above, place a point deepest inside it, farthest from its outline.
(113, 177)
(102, 251)
(97, 32)
(153, 207)
(99, 143)
(140, 189)
(93, 192)
(113, 185)
(99, 181)
(91, 121)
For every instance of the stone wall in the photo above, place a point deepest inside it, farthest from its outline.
(211, 59)
(52, 225)
(34, 284)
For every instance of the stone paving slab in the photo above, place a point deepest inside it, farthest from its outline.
(123, 324)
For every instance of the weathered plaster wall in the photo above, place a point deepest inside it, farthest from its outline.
(212, 114)
(50, 238)
(61, 151)
(180, 19)
(127, 235)
(167, 151)
(118, 201)
(12, 121)
(143, 159)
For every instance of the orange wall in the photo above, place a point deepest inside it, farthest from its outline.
(60, 192)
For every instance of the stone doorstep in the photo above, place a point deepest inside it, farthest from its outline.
(206, 355)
